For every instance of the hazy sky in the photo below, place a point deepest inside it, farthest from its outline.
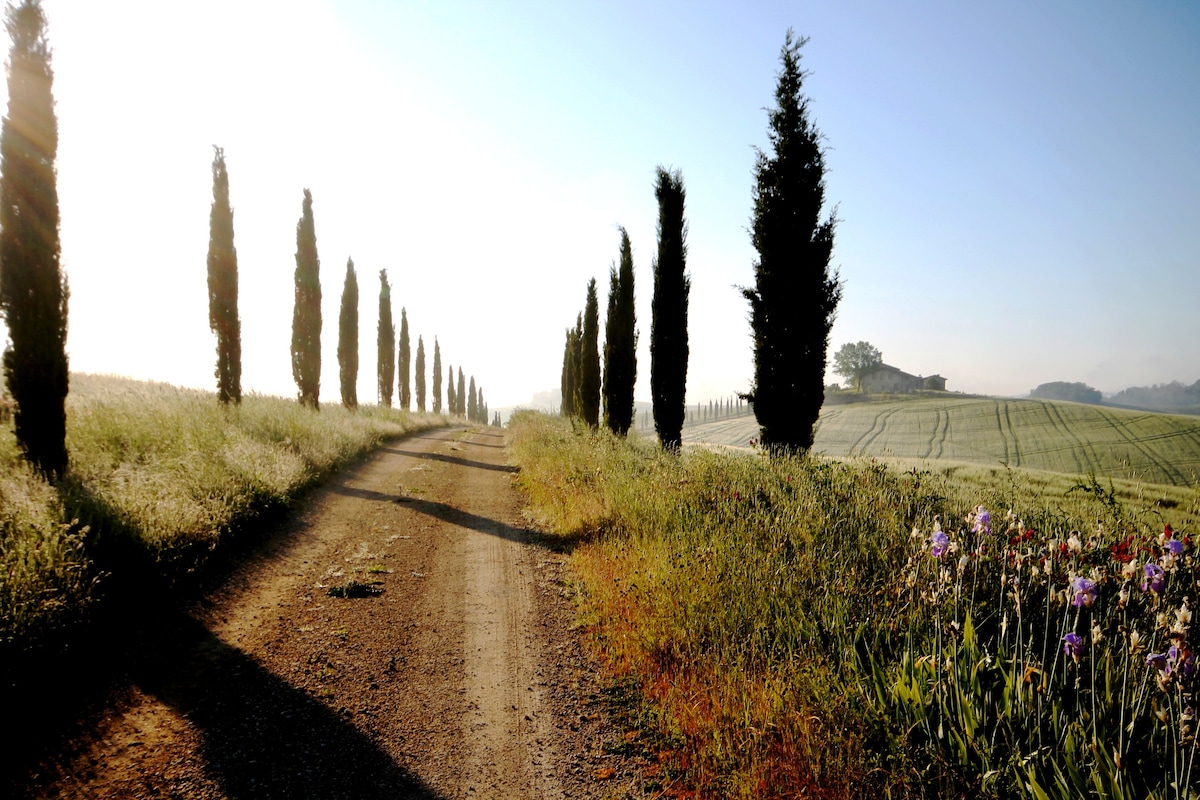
(1017, 182)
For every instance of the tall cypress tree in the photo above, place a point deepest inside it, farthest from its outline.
(568, 375)
(419, 375)
(306, 314)
(33, 289)
(385, 365)
(223, 286)
(795, 296)
(348, 338)
(589, 372)
(404, 362)
(460, 395)
(472, 402)
(620, 344)
(437, 377)
(669, 311)
(451, 406)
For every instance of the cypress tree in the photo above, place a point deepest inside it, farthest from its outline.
(577, 365)
(669, 311)
(437, 377)
(451, 406)
(385, 369)
(419, 376)
(404, 362)
(33, 289)
(223, 286)
(589, 374)
(306, 314)
(472, 402)
(567, 409)
(620, 344)
(348, 338)
(795, 296)
(460, 395)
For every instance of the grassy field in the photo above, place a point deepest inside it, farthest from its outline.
(1035, 434)
(825, 628)
(162, 476)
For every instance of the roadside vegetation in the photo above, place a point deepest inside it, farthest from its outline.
(162, 476)
(801, 626)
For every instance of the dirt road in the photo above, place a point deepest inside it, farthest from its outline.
(450, 669)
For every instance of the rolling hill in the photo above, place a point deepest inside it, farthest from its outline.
(1036, 434)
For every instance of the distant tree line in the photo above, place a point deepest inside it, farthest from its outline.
(1060, 390)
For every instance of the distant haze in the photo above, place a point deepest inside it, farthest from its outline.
(1017, 183)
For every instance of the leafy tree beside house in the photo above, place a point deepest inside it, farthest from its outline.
(620, 344)
(348, 338)
(385, 364)
(306, 314)
(33, 289)
(853, 361)
(795, 296)
(404, 362)
(669, 307)
(223, 286)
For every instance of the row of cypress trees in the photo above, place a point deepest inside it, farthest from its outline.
(792, 304)
(582, 385)
(392, 355)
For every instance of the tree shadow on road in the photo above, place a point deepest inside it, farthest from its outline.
(264, 737)
(465, 462)
(447, 513)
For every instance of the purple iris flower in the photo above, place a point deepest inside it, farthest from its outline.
(1085, 592)
(1073, 645)
(1175, 546)
(940, 542)
(1158, 661)
(983, 521)
(1156, 579)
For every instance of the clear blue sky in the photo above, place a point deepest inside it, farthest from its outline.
(1017, 182)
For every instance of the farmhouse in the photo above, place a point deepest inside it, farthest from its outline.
(886, 378)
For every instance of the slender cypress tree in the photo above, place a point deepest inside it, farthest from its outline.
(306, 315)
(33, 289)
(460, 395)
(568, 375)
(348, 338)
(669, 310)
(419, 375)
(385, 365)
(472, 402)
(589, 374)
(451, 405)
(223, 286)
(437, 377)
(404, 362)
(620, 344)
(795, 296)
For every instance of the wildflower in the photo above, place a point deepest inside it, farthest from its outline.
(939, 542)
(981, 520)
(1129, 569)
(1174, 546)
(1074, 543)
(1123, 596)
(1097, 634)
(1183, 617)
(1155, 580)
(1085, 592)
(1159, 662)
(963, 563)
(1073, 645)
(1135, 641)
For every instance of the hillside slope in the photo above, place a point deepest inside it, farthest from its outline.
(1037, 434)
